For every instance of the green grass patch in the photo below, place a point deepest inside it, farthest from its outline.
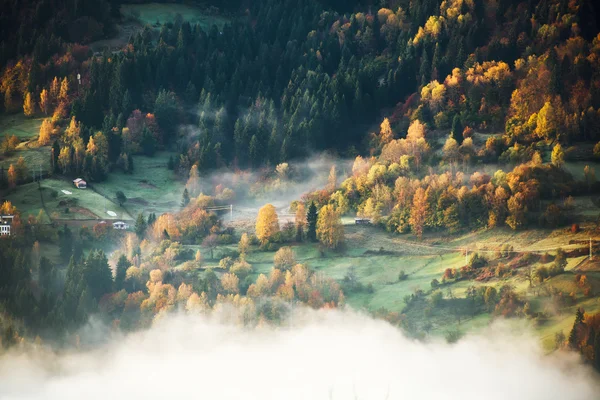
(156, 14)
(150, 188)
(23, 127)
(80, 204)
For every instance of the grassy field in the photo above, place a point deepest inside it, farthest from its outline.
(159, 13)
(150, 188)
(23, 127)
(80, 204)
(378, 257)
(27, 130)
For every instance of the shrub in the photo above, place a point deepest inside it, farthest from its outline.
(575, 228)
(477, 261)
(285, 258)
(226, 263)
(226, 239)
(402, 276)
(436, 298)
(241, 268)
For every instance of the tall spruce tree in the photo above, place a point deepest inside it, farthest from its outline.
(573, 337)
(122, 265)
(311, 220)
(140, 226)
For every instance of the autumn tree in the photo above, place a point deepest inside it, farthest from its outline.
(45, 132)
(332, 179)
(44, 101)
(230, 283)
(244, 245)
(21, 169)
(284, 258)
(300, 220)
(211, 241)
(63, 94)
(330, 230)
(558, 156)
(267, 223)
(385, 132)
(29, 105)
(12, 177)
(193, 182)
(546, 124)
(419, 212)
(64, 159)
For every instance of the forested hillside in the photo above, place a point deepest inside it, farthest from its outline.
(460, 116)
(287, 78)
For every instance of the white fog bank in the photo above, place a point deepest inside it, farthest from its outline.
(326, 355)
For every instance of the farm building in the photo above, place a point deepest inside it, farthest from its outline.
(362, 221)
(120, 225)
(5, 223)
(80, 183)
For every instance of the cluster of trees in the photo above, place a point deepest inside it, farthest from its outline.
(308, 78)
(391, 191)
(584, 337)
(324, 226)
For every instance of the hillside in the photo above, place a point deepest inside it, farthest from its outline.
(240, 140)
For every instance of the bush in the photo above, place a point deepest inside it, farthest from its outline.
(402, 276)
(226, 263)
(436, 298)
(477, 261)
(241, 268)
(575, 228)
(285, 258)
(225, 239)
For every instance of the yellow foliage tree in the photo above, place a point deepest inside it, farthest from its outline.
(267, 223)
(244, 244)
(29, 105)
(418, 212)
(330, 230)
(64, 90)
(44, 101)
(54, 89)
(284, 258)
(230, 283)
(558, 156)
(73, 130)
(12, 176)
(45, 132)
(193, 183)
(385, 132)
(64, 159)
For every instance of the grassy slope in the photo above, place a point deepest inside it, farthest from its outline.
(27, 130)
(422, 264)
(150, 188)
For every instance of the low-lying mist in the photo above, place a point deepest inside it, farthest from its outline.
(321, 355)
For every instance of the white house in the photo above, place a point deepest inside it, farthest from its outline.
(80, 183)
(5, 223)
(120, 225)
